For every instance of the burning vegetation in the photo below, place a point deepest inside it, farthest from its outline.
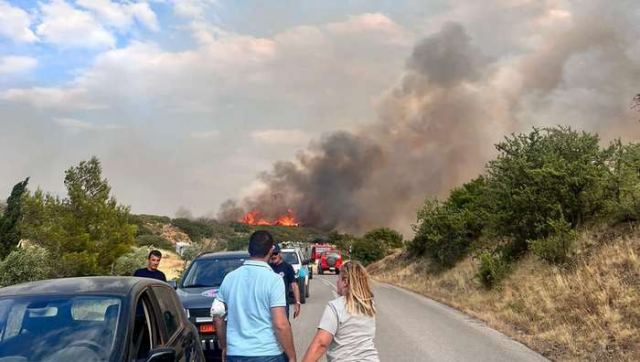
(255, 217)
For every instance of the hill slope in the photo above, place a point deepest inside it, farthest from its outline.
(587, 311)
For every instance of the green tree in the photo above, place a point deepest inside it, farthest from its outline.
(87, 231)
(9, 222)
(391, 239)
(368, 251)
(545, 175)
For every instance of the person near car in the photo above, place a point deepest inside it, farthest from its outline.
(151, 270)
(285, 270)
(252, 298)
(348, 326)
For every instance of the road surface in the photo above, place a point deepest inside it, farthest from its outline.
(413, 328)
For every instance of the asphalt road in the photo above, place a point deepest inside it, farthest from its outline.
(410, 327)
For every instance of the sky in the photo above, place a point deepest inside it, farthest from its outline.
(190, 103)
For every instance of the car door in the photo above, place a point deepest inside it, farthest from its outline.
(177, 332)
(143, 336)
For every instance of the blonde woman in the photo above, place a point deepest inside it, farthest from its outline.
(348, 325)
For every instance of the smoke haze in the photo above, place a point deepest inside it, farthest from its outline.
(570, 63)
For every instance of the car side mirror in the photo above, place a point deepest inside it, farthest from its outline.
(162, 355)
(173, 284)
(306, 262)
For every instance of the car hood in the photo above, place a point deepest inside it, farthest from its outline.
(193, 298)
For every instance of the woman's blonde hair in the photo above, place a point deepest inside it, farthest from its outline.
(358, 296)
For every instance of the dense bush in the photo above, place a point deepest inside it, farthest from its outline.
(391, 239)
(239, 242)
(129, 262)
(557, 247)
(446, 230)
(368, 251)
(25, 265)
(542, 176)
(156, 241)
(493, 268)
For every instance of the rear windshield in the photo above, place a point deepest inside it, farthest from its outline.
(209, 272)
(46, 328)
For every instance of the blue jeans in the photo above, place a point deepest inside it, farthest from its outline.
(278, 358)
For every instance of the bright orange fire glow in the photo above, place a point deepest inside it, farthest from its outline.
(254, 217)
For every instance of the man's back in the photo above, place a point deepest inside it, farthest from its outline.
(249, 293)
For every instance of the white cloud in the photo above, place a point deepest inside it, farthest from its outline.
(15, 23)
(121, 15)
(54, 98)
(281, 137)
(192, 8)
(66, 26)
(15, 64)
(78, 125)
(206, 135)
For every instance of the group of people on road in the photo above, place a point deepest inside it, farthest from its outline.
(251, 310)
(250, 313)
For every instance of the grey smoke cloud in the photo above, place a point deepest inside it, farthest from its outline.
(436, 128)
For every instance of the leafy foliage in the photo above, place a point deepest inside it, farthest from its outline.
(368, 251)
(10, 233)
(25, 265)
(446, 230)
(127, 263)
(493, 268)
(557, 247)
(156, 241)
(391, 239)
(545, 175)
(86, 231)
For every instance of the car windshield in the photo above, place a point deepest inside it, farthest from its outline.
(46, 328)
(290, 257)
(210, 272)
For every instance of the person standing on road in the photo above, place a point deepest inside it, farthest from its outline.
(252, 297)
(285, 270)
(151, 271)
(348, 326)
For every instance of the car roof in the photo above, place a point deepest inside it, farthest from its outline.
(224, 255)
(81, 285)
(290, 249)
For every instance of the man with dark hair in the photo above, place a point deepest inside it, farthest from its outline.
(252, 298)
(285, 270)
(151, 271)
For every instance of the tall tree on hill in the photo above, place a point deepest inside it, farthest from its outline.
(9, 228)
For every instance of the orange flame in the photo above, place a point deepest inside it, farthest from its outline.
(254, 217)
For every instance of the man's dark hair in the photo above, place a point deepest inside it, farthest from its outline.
(260, 243)
(156, 253)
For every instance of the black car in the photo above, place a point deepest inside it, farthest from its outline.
(198, 288)
(95, 319)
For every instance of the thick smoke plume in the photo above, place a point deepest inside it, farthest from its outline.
(577, 66)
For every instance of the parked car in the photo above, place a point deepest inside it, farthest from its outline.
(95, 319)
(198, 288)
(301, 267)
(330, 260)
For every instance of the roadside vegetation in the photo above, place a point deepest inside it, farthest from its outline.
(543, 246)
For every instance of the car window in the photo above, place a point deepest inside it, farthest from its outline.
(169, 310)
(144, 335)
(46, 328)
(290, 257)
(209, 272)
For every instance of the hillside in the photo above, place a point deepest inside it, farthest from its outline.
(585, 311)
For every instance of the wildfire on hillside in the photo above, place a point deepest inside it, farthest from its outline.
(255, 217)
